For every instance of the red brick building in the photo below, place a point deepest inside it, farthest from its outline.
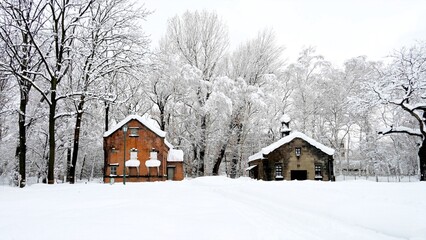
(143, 150)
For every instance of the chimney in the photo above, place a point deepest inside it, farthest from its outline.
(285, 125)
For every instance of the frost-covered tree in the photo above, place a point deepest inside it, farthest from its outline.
(165, 85)
(306, 75)
(403, 85)
(255, 64)
(200, 39)
(362, 110)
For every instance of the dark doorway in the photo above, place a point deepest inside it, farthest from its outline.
(170, 173)
(254, 173)
(299, 175)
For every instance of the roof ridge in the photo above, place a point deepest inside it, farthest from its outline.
(143, 120)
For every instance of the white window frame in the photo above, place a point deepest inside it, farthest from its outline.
(318, 168)
(298, 151)
(133, 132)
(278, 174)
(111, 170)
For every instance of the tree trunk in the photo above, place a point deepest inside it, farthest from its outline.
(221, 155)
(104, 169)
(194, 164)
(162, 117)
(236, 152)
(76, 139)
(202, 145)
(422, 157)
(219, 159)
(69, 175)
(82, 167)
(25, 88)
(22, 148)
(52, 144)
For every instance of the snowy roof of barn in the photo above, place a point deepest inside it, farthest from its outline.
(287, 139)
(146, 121)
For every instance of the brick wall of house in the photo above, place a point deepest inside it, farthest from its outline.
(144, 142)
(179, 173)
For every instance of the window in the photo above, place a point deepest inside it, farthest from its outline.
(298, 152)
(278, 171)
(113, 170)
(318, 170)
(133, 132)
(114, 150)
(342, 150)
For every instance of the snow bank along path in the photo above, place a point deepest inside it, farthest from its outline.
(215, 208)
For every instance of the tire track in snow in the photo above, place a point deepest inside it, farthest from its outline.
(294, 222)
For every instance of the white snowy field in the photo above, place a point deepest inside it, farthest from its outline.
(215, 208)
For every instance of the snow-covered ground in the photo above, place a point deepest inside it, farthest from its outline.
(215, 208)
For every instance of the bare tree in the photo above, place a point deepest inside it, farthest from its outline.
(53, 47)
(20, 21)
(403, 85)
(108, 44)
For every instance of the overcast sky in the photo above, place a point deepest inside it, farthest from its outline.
(339, 29)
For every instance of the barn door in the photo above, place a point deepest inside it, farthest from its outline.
(299, 174)
(170, 173)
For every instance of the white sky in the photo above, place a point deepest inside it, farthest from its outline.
(339, 29)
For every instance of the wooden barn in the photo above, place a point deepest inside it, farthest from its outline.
(136, 150)
(294, 157)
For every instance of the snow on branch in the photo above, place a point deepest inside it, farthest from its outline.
(417, 106)
(6, 111)
(406, 130)
(65, 114)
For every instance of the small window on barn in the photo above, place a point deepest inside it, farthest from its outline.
(298, 152)
(318, 170)
(278, 171)
(133, 132)
(113, 170)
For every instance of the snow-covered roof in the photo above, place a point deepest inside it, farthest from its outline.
(175, 155)
(256, 156)
(153, 163)
(133, 163)
(251, 167)
(146, 121)
(168, 144)
(287, 139)
(285, 118)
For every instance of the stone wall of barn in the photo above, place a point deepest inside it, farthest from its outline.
(309, 157)
(286, 158)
